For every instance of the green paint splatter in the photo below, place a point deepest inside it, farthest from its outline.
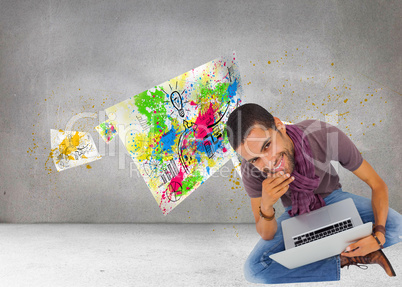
(225, 137)
(219, 93)
(191, 181)
(151, 104)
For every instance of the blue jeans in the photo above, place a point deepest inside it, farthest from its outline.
(259, 268)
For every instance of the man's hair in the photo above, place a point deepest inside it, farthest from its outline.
(243, 118)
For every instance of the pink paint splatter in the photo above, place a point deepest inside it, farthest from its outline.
(179, 177)
(175, 183)
(203, 121)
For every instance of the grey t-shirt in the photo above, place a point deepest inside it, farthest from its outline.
(327, 143)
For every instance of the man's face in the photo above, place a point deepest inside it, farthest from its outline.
(269, 150)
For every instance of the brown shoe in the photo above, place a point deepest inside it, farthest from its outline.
(376, 257)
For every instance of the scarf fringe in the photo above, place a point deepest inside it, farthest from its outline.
(306, 181)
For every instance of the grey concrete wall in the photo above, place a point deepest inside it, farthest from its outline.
(332, 60)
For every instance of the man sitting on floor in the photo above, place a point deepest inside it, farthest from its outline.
(292, 162)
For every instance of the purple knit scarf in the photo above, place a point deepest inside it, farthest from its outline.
(305, 182)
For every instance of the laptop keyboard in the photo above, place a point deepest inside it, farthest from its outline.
(323, 232)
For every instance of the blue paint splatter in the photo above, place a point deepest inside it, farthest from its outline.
(214, 147)
(167, 140)
(232, 90)
(198, 157)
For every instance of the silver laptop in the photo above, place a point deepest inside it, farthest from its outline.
(320, 234)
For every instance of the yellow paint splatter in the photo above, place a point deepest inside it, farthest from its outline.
(211, 162)
(345, 101)
(88, 166)
(69, 145)
(49, 169)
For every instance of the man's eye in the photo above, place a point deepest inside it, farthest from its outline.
(253, 160)
(267, 145)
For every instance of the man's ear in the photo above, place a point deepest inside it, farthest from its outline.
(279, 125)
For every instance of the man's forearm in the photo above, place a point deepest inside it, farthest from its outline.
(265, 228)
(379, 201)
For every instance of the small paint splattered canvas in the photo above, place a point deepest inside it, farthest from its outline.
(72, 148)
(174, 131)
(106, 131)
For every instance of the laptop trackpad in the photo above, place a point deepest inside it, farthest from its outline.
(320, 219)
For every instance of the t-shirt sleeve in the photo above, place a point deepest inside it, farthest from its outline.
(251, 181)
(342, 149)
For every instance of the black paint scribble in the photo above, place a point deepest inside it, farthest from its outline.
(177, 102)
(174, 191)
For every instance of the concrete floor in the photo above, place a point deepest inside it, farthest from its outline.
(145, 255)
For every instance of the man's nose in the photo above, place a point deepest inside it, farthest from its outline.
(268, 161)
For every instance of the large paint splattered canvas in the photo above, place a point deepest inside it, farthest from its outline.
(174, 131)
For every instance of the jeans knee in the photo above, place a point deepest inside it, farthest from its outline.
(393, 228)
(255, 272)
(249, 271)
